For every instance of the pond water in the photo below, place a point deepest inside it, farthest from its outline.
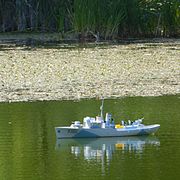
(29, 149)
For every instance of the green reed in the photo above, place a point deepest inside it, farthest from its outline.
(110, 18)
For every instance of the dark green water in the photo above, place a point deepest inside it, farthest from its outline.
(29, 150)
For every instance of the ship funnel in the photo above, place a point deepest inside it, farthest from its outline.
(108, 118)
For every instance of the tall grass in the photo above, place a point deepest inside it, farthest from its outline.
(103, 16)
(109, 18)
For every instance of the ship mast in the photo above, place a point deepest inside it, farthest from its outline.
(101, 108)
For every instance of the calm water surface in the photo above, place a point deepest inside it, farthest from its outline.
(29, 149)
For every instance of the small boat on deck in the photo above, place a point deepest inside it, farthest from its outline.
(100, 127)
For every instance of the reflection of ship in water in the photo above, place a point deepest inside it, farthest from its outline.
(101, 148)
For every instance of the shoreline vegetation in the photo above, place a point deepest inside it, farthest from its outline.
(38, 67)
(100, 19)
(73, 49)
